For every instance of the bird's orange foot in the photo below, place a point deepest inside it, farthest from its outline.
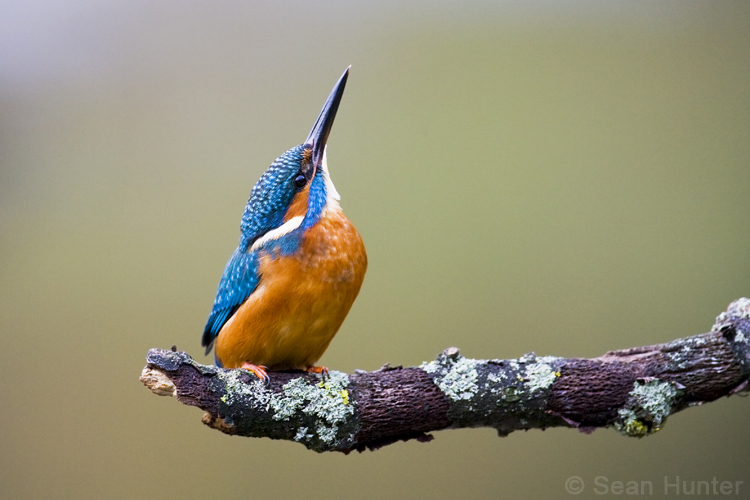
(318, 369)
(258, 370)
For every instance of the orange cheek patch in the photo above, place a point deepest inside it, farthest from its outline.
(299, 204)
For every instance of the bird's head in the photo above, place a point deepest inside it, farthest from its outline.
(296, 188)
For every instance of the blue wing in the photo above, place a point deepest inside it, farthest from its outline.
(239, 280)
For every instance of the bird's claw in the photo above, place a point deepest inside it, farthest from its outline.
(323, 370)
(258, 370)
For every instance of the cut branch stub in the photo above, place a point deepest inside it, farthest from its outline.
(633, 390)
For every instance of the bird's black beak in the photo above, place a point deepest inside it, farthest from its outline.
(319, 134)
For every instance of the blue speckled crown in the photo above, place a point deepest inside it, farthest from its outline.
(270, 197)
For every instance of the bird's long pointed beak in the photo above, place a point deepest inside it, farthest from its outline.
(319, 134)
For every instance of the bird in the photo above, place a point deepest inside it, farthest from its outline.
(298, 268)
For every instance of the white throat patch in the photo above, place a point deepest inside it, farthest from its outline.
(332, 196)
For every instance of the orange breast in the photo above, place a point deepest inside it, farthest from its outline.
(300, 302)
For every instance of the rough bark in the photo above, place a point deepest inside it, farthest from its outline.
(632, 390)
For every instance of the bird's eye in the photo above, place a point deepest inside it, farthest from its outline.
(300, 180)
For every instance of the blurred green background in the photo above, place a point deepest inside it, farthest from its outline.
(564, 178)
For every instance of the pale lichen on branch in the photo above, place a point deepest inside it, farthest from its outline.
(632, 390)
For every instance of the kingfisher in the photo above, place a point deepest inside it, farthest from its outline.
(298, 268)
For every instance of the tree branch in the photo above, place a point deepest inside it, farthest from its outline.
(632, 390)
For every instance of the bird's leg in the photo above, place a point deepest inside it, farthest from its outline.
(323, 370)
(258, 370)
